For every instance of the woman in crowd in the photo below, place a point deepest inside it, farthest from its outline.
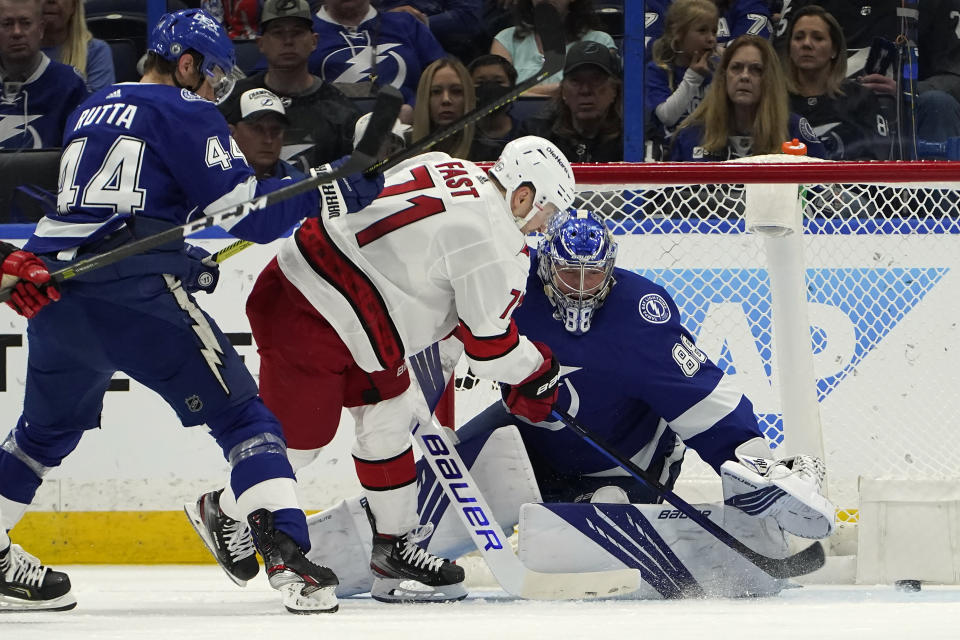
(444, 94)
(66, 39)
(521, 46)
(682, 66)
(847, 116)
(745, 111)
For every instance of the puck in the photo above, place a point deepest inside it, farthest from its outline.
(907, 585)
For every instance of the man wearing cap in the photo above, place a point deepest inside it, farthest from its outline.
(321, 119)
(259, 130)
(587, 120)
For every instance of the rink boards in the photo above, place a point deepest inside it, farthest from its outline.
(883, 354)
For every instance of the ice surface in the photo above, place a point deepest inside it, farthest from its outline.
(199, 602)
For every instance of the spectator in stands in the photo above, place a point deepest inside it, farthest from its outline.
(521, 45)
(238, 17)
(493, 76)
(938, 109)
(257, 126)
(444, 94)
(66, 39)
(457, 24)
(736, 18)
(745, 111)
(678, 75)
(586, 120)
(846, 116)
(362, 48)
(321, 117)
(38, 93)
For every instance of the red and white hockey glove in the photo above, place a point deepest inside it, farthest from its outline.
(24, 271)
(533, 398)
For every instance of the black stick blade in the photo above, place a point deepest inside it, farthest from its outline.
(386, 108)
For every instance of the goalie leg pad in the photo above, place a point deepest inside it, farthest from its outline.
(675, 556)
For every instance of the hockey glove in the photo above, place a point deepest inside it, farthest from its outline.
(30, 280)
(347, 195)
(204, 271)
(533, 397)
(788, 490)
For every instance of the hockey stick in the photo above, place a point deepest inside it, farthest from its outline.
(477, 517)
(550, 29)
(801, 563)
(385, 112)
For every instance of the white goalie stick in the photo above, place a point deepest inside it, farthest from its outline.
(477, 517)
(385, 110)
(801, 563)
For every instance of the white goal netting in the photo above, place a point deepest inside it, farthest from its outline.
(881, 250)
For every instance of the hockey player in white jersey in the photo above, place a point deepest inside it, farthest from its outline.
(348, 297)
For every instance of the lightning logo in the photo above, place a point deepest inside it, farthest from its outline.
(356, 63)
(211, 349)
(18, 126)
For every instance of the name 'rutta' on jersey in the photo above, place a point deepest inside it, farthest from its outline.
(118, 162)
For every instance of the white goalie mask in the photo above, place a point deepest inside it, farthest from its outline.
(535, 161)
(575, 262)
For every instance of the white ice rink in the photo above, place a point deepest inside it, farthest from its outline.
(186, 603)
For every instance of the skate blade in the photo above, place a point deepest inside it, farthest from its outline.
(9, 604)
(396, 590)
(193, 515)
(323, 600)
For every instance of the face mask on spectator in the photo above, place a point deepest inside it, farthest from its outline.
(488, 92)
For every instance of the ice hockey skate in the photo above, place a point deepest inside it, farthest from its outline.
(27, 585)
(229, 540)
(405, 572)
(306, 587)
(788, 490)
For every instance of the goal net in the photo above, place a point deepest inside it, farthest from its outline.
(879, 250)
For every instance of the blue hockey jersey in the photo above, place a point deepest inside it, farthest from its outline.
(33, 114)
(635, 378)
(386, 48)
(162, 155)
(686, 143)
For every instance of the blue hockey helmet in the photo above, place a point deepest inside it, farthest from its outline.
(576, 258)
(194, 29)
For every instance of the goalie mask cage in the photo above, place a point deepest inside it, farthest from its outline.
(876, 272)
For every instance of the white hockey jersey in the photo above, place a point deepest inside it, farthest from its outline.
(437, 250)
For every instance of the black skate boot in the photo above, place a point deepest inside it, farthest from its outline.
(405, 572)
(228, 540)
(27, 585)
(306, 587)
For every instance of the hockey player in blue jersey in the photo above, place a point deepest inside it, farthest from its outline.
(140, 158)
(632, 373)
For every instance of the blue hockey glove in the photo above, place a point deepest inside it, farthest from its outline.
(203, 271)
(347, 195)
